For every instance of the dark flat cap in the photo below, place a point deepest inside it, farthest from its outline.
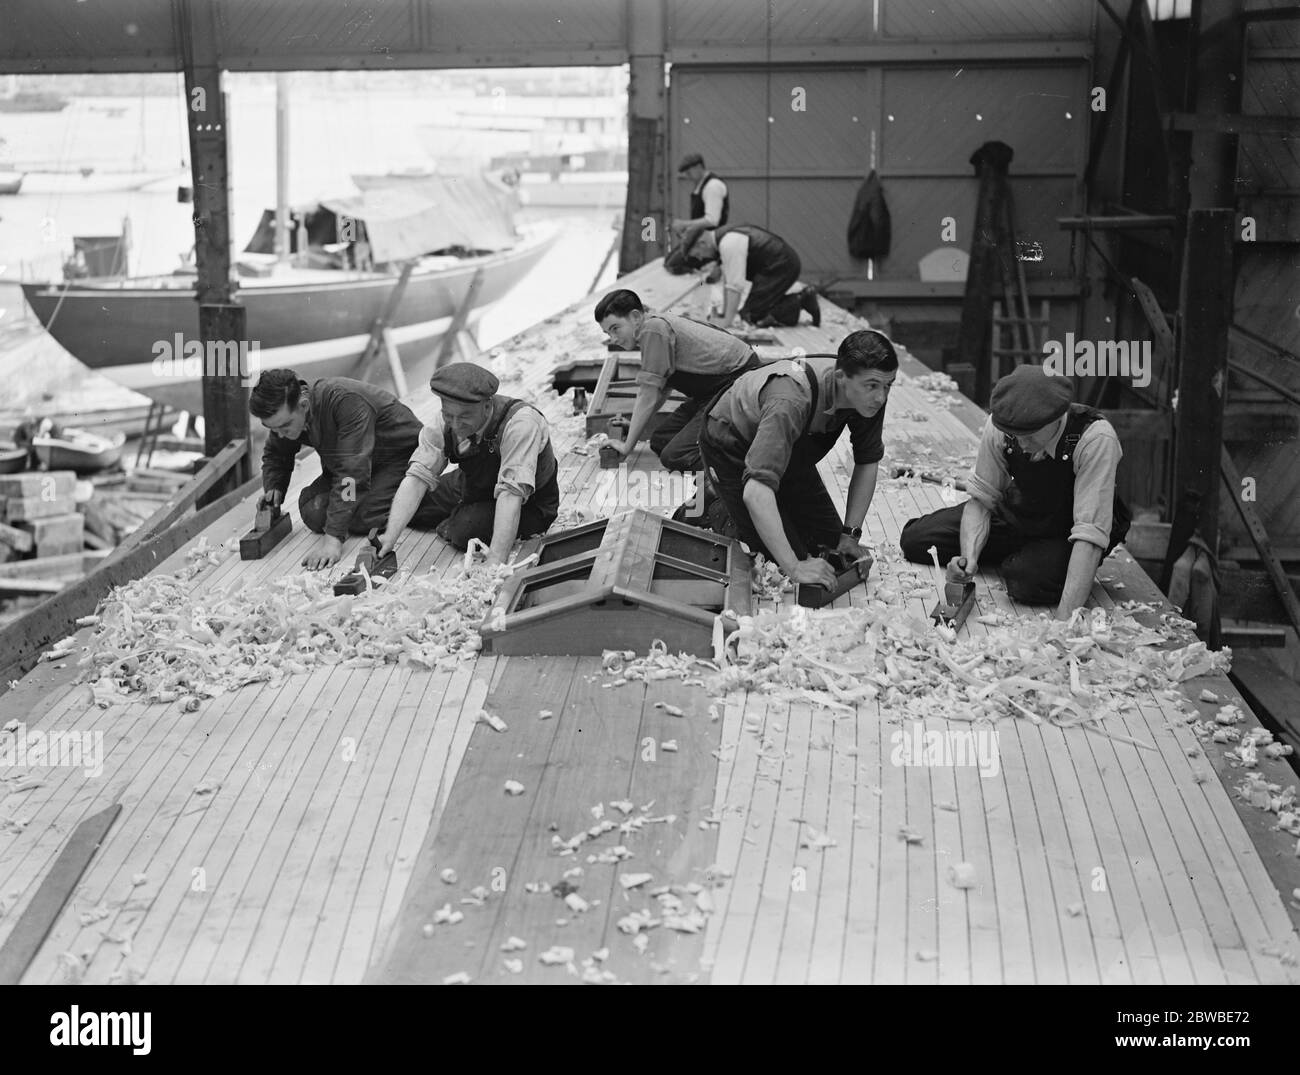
(464, 382)
(1027, 399)
(689, 161)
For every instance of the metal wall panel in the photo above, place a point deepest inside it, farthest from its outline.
(523, 24)
(812, 215)
(917, 208)
(271, 25)
(722, 115)
(934, 119)
(832, 134)
(962, 19)
(1271, 88)
(730, 22)
(53, 30)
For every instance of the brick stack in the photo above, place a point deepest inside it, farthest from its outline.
(39, 515)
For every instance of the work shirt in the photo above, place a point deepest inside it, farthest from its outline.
(733, 254)
(522, 441)
(1096, 459)
(712, 193)
(356, 429)
(768, 409)
(673, 344)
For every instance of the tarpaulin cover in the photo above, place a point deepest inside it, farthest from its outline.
(408, 218)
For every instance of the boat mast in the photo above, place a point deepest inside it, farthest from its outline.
(282, 166)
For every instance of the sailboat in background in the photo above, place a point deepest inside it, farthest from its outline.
(316, 281)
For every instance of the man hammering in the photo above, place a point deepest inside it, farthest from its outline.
(1043, 503)
(505, 484)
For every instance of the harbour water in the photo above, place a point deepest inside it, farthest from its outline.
(106, 159)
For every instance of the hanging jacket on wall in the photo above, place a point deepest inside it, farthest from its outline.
(869, 221)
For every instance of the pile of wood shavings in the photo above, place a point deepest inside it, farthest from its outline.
(157, 639)
(1041, 669)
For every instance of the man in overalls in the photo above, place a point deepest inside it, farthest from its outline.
(698, 360)
(505, 485)
(1043, 503)
(364, 436)
(764, 436)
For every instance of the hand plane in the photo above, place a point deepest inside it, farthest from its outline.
(368, 562)
(958, 600)
(609, 458)
(270, 527)
(848, 573)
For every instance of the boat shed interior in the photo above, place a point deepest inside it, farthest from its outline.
(1081, 170)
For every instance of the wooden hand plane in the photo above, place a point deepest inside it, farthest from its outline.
(958, 600)
(374, 565)
(848, 573)
(270, 527)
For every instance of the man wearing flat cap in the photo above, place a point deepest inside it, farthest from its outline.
(1042, 496)
(505, 482)
(364, 436)
(710, 203)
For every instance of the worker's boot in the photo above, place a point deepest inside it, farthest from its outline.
(808, 301)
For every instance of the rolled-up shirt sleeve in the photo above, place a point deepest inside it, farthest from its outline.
(733, 252)
(522, 440)
(656, 357)
(783, 415)
(990, 477)
(428, 460)
(1096, 460)
(713, 194)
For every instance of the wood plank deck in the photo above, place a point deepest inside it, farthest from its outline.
(297, 832)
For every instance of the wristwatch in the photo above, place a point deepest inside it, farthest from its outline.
(854, 532)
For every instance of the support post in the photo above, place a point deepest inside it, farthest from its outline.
(222, 321)
(646, 112)
(1206, 306)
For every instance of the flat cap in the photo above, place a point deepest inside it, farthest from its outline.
(1027, 399)
(464, 382)
(689, 161)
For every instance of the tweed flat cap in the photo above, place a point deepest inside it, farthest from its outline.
(689, 161)
(1027, 399)
(464, 382)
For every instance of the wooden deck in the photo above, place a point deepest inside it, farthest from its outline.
(299, 833)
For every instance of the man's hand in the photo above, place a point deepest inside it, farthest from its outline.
(961, 569)
(619, 446)
(851, 548)
(678, 226)
(815, 572)
(270, 498)
(386, 543)
(325, 553)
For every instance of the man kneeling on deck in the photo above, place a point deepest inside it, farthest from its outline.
(698, 360)
(1043, 501)
(364, 435)
(505, 485)
(768, 262)
(763, 438)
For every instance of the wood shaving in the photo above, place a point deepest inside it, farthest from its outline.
(157, 638)
(514, 966)
(514, 944)
(448, 876)
(630, 881)
(513, 787)
(669, 746)
(556, 954)
(459, 978)
(962, 875)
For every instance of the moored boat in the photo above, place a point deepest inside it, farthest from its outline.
(315, 316)
(79, 450)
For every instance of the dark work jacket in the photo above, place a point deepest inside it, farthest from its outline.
(480, 467)
(1040, 499)
(356, 429)
(766, 249)
(697, 201)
